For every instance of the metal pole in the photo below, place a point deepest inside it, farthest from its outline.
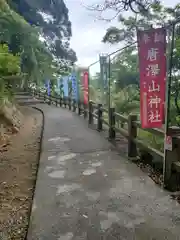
(109, 84)
(101, 80)
(104, 78)
(88, 85)
(168, 88)
(167, 106)
(112, 53)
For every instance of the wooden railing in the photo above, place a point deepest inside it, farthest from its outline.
(95, 115)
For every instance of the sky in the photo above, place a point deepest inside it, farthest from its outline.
(88, 31)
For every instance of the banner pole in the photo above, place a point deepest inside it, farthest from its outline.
(166, 171)
(109, 84)
(88, 85)
(169, 80)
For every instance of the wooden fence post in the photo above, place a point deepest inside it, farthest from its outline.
(60, 101)
(56, 99)
(69, 103)
(171, 163)
(90, 120)
(99, 123)
(112, 121)
(49, 99)
(45, 97)
(79, 107)
(132, 133)
(85, 111)
(169, 177)
(74, 105)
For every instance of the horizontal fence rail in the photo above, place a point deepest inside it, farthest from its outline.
(114, 123)
(94, 112)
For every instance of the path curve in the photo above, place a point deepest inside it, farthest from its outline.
(86, 190)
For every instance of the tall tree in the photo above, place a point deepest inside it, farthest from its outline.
(37, 61)
(51, 16)
(158, 16)
(119, 6)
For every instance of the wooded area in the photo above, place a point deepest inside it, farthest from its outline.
(34, 36)
(124, 69)
(35, 47)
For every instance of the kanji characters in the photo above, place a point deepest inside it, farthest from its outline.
(152, 45)
(152, 54)
(153, 70)
(159, 37)
(154, 116)
(154, 87)
(146, 38)
(154, 101)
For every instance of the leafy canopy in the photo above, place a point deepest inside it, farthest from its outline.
(51, 17)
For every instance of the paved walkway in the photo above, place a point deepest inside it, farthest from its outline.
(85, 190)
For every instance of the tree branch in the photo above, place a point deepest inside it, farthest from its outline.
(118, 6)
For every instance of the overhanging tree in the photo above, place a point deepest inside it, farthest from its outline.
(158, 16)
(37, 61)
(51, 16)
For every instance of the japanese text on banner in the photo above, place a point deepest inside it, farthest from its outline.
(75, 90)
(66, 86)
(152, 67)
(85, 87)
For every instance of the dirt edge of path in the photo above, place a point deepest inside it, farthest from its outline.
(18, 174)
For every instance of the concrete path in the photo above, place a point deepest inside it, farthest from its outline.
(23, 98)
(85, 190)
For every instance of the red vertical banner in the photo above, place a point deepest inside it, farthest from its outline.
(152, 67)
(85, 87)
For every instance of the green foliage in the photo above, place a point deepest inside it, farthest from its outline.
(9, 64)
(125, 100)
(157, 16)
(22, 24)
(53, 20)
(118, 6)
(124, 67)
(9, 69)
(151, 139)
(23, 40)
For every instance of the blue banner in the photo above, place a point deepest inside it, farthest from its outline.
(47, 86)
(104, 68)
(66, 86)
(75, 88)
(58, 83)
